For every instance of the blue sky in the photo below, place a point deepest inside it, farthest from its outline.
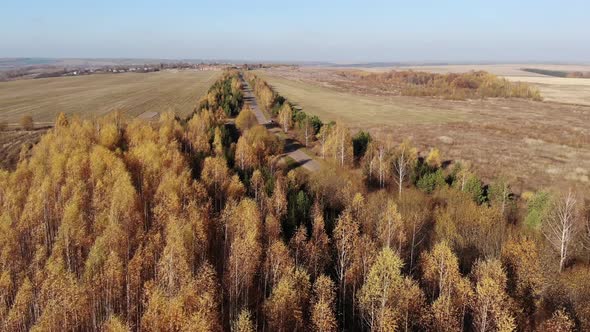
(337, 31)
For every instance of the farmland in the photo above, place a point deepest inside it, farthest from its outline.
(545, 144)
(557, 89)
(95, 95)
(135, 95)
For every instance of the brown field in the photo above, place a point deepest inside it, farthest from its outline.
(539, 144)
(496, 69)
(94, 95)
(559, 89)
(11, 143)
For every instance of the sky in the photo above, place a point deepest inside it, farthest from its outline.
(304, 30)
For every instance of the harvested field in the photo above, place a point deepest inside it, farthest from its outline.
(11, 143)
(496, 69)
(559, 89)
(94, 95)
(545, 144)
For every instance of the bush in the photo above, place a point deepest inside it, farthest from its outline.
(316, 123)
(474, 189)
(537, 209)
(431, 181)
(360, 141)
(26, 122)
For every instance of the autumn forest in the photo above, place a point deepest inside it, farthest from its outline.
(199, 224)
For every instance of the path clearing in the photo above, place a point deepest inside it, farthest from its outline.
(293, 148)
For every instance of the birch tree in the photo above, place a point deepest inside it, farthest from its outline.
(307, 130)
(378, 296)
(499, 194)
(323, 305)
(286, 117)
(340, 146)
(403, 162)
(346, 235)
(246, 119)
(491, 305)
(390, 227)
(245, 233)
(244, 156)
(561, 227)
(243, 323)
(323, 136)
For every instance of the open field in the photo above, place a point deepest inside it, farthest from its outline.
(94, 95)
(11, 143)
(370, 110)
(496, 69)
(542, 143)
(142, 95)
(558, 89)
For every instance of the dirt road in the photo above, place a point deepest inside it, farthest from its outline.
(293, 148)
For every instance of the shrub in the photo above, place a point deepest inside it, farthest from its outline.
(537, 209)
(431, 181)
(360, 141)
(316, 123)
(474, 189)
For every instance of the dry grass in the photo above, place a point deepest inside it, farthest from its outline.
(11, 143)
(496, 69)
(538, 144)
(95, 95)
(364, 110)
(559, 89)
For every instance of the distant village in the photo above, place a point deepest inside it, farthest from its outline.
(46, 71)
(146, 68)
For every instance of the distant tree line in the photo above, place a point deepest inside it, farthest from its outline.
(559, 73)
(471, 85)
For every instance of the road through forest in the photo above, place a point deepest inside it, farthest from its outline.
(293, 148)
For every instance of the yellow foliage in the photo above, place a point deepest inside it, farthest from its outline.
(246, 119)
(434, 159)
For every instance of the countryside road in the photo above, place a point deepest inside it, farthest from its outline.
(293, 148)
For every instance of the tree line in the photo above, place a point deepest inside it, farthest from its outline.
(455, 86)
(559, 73)
(192, 225)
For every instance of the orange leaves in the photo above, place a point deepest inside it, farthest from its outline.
(286, 117)
(215, 176)
(243, 232)
(246, 119)
(474, 84)
(339, 145)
